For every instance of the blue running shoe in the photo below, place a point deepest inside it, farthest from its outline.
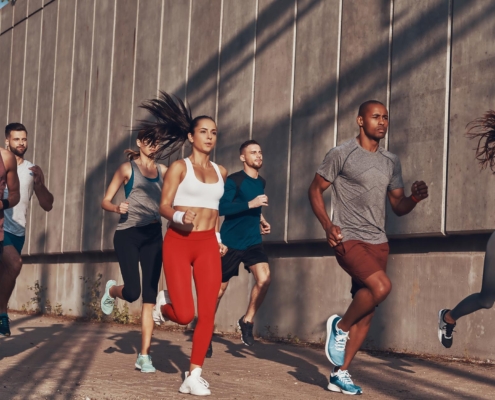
(336, 340)
(341, 381)
(144, 363)
(107, 301)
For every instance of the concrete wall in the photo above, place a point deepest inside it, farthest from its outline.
(288, 73)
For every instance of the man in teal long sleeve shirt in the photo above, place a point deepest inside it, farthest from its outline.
(242, 229)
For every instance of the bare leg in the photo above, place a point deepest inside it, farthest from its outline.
(357, 335)
(116, 291)
(223, 288)
(378, 287)
(261, 273)
(10, 267)
(147, 325)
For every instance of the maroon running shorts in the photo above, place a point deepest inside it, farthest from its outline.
(361, 260)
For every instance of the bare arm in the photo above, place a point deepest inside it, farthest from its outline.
(121, 176)
(315, 193)
(402, 205)
(174, 176)
(12, 178)
(45, 198)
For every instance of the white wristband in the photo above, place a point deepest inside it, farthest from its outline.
(219, 238)
(177, 218)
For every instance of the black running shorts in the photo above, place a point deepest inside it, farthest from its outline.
(251, 256)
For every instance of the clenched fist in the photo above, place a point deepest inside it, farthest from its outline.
(123, 208)
(188, 217)
(261, 200)
(419, 190)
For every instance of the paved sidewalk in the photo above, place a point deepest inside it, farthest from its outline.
(50, 358)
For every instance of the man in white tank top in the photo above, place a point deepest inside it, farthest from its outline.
(31, 179)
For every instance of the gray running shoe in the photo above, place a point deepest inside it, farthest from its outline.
(445, 330)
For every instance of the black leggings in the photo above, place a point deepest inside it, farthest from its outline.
(486, 297)
(140, 245)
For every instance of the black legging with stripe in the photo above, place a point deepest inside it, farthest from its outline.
(486, 297)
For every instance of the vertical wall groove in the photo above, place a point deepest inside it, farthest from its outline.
(134, 74)
(109, 114)
(389, 71)
(87, 121)
(337, 77)
(160, 51)
(24, 68)
(291, 114)
(448, 82)
(254, 69)
(220, 35)
(68, 126)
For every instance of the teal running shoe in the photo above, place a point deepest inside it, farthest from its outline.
(107, 301)
(4, 325)
(144, 364)
(341, 381)
(336, 340)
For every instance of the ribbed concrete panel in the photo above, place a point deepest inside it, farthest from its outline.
(20, 10)
(6, 18)
(203, 57)
(121, 104)
(236, 81)
(41, 143)
(5, 50)
(17, 72)
(417, 111)
(99, 94)
(147, 60)
(470, 205)
(34, 5)
(30, 94)
(78, 128)
(364, 60)
(60, 127)
(272, 101)
(314, 109)
(173, 61)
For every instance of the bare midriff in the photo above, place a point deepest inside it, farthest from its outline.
(206, 219)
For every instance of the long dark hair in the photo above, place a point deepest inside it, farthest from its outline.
(483, 129)
(168, 128)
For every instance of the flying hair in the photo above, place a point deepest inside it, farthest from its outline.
(483, 129)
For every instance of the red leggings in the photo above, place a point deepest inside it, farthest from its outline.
(180, 251)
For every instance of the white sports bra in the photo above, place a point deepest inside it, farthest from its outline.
(194, 193)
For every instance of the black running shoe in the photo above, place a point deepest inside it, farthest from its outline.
(246, 329)
(4, 325)
(209, 352)
(445, 330)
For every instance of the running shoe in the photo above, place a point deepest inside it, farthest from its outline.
(161, 300)
(336, 340)
(209, 352)
(144, 363)
(341, 381)
(194, 384)
(107, 301)
(246, 329)
(445, 330)
(4, 324)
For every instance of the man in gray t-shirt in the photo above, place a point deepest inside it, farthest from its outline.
(362, 175)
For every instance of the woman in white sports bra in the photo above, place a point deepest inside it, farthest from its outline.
(191, 193)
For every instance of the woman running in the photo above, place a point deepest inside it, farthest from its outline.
(190, 197)
(138, 238)
(482, 129)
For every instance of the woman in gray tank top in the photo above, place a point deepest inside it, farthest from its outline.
(138, 238)
(483, 130)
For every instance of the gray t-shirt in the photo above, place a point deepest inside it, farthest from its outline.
(360, 181)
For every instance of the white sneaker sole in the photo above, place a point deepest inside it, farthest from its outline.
(329, 331)
(107, 294)
(187, 390)
(440, 333)
(161, 300)
(335, 388)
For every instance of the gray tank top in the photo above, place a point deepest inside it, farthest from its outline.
(143, 195)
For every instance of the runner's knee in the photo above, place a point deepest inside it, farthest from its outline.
(264, 281)
(131, 294)
(381, 290)
(184, 315)
(486, 301)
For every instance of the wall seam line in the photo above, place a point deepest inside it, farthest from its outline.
(251, 121)
(389, 67)
(24, 68)
(160, 52)
(134, 72)
(220, 37)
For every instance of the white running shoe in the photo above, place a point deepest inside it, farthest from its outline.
(194, 384)
(161, 300)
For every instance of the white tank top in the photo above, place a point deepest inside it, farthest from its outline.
(194, 193)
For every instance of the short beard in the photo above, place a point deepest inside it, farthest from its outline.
(255, 166)
(17, 153)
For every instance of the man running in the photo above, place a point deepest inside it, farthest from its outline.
(362, 175)
(30, 177)
(241, 232)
